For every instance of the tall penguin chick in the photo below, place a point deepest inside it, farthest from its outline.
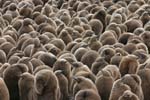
(46, 85)
(26, 26)
(11, 77)
(63, 84)
(26, 87)
(65, 36)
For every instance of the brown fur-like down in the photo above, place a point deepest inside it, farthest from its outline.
(96, 26)
(89, 57)
(63, 84)
(26, 87)
(129, 65)
(46, 85)
(4, 93)
(11, 76)
(128, 95)
(99, 64)
(87, 94)
(113, 70)
(130, 82)
(144, 75)
(104, 84)
(83, 83)
(3, 58)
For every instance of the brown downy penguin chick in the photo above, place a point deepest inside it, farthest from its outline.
(124, 37)
(41, 67)
(128, 95)
(13, 59)
(89, 57)
(96, 26)
(65, 36)
(48, 59)
(12, 9)
(107, 53)
(63, 84)
(118, 89)
(68, 56)
(26, 87)
(3, 68)
(83, 83)
(10, 39)
(113, 70)
(47, 10)
(3, 57)
(4, 93)
(39, 18)
(25, 11)
(108, 38)
(115, 60)
(94, 44)
(134, 82)
(101, 15)
(65, 18)
(78, 45)
(79, 67)
(115, 28)
(129, 65)
(142, 46)
(11, 77)
(132, 24)
(6, 47)
(138, 31)
(116, 18)
(133, 6)
(99, 64)
(46, 85)
(58, 43)
(26, 26)
(144, 75)
(142, 56)
(145, 17)
(26, 60)
(65, 66)
(130, 48)
(104, 84)
(36, 62)
(80, 52)
(87, 94)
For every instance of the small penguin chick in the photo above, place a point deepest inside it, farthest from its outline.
(129, 65)
(26, 26)
(65, 36)
(79, 66)
(26, 87)
(83, 83)
(99, 64)
(65, 17)
(63, 84)
(94, 44)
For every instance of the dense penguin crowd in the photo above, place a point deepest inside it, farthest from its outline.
(74, 49)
